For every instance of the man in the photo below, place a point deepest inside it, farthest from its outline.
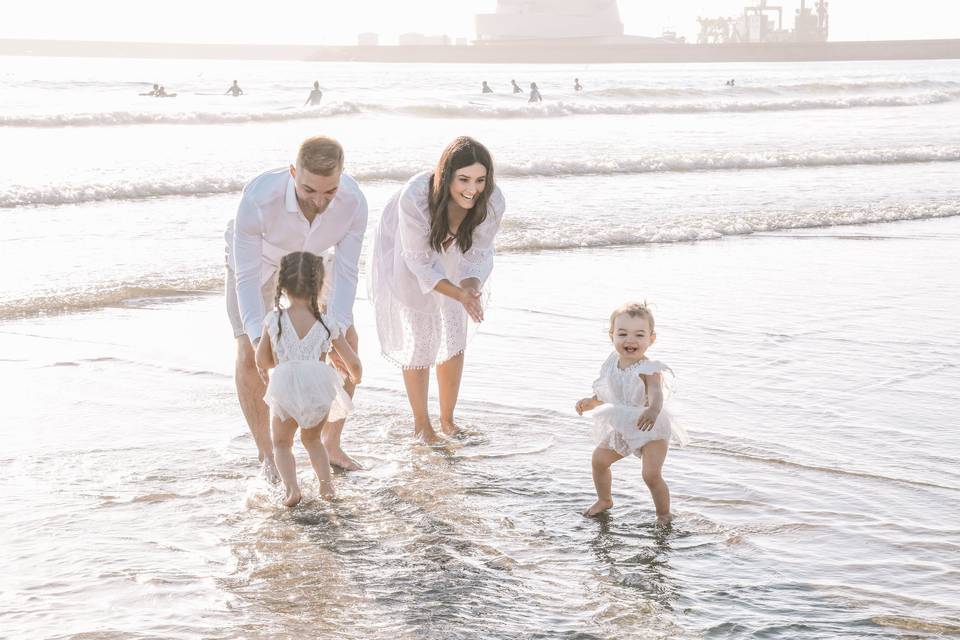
(234, 89)
(315, 96)
(310, 206)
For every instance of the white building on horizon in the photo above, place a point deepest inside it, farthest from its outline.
(550, 19)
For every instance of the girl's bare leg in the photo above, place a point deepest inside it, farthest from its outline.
(602, 479)
(653, 455)
(417, 382)
(283, 432)
(449, 374)
(313, 443)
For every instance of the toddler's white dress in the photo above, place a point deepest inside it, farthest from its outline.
(301, 386)
(624, 396)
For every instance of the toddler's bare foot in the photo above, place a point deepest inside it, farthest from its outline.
(293, 497)
(269, 471)
(339, 458)
(664, 519)
(598, 507)
(450, 428)
(326, 490)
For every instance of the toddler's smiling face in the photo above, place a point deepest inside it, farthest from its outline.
(631, 337)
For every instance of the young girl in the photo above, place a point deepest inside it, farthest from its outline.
(631, 419)
(303, 390)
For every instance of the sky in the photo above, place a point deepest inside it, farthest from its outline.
(325, 22)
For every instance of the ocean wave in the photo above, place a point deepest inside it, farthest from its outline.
(698, 228)
(517, 238)
(106, 295)
(121, 118)
(746, 89)
(476, 109)
(18, 195)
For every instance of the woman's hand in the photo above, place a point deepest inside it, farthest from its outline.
(470, 299)
(647, 419)
(587, 404)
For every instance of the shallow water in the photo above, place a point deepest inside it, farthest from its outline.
(805, 294)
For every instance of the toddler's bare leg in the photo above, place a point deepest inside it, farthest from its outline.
(602, 479)
(653, 455)
(313, 443)
(283, 431)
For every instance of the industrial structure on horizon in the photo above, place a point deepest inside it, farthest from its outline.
(598, 22)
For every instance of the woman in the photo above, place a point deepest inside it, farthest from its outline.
(432, 254)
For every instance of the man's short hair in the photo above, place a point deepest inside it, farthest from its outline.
(320, 155)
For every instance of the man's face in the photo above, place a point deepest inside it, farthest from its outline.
(314, 192)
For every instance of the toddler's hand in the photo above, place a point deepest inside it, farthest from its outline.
(585, 404)
(647, 419)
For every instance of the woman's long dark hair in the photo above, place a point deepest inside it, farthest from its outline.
(460, 153)
(301, 275)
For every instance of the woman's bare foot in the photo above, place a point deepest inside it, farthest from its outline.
(426, 434)
(598, 507)
(293, 497)
(326, 490)
(449, 427)
(664, 519)
(339, 458)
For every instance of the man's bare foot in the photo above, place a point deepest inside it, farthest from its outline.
(450, 428)
(293, 498)
(598, 507)
(326, 490)
(664, 519)
(339, 458)
(269, 471)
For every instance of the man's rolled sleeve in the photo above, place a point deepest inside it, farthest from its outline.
(248, 258)
(346, 268)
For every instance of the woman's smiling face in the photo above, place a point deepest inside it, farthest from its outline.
(467, 184)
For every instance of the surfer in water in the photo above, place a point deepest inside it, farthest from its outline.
(315, 95)
(535, 93)
(486, 88)
(516, 87)
(234, 90)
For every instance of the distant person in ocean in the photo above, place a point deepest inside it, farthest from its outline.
(576, 85)
(315, 95)
(153, 92)
(631, 417)
(303, 391)
(731, 82)
(308, 206)
(486, 88)
(162, 93)
(432, 255)
(234, 89)
(535, 93)
(516, 87)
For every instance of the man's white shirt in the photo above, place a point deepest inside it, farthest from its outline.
(269, 225)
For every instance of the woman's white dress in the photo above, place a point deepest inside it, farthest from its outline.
(417, 326)
(624, 396)
(301, 386)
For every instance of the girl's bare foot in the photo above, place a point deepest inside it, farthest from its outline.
(293, 498)
(326, 490)
(598, 507)
(341, 460)
(268, 470)
(664, 519)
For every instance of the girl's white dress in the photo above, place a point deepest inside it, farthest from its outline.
(301, 386)
(624, 396)
(417, 326)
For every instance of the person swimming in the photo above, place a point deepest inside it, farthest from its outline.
(576, 85)
(486, 88)
(315, 96)
(535, 93)
(516, 87)
(234, 89)
(152, 92)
